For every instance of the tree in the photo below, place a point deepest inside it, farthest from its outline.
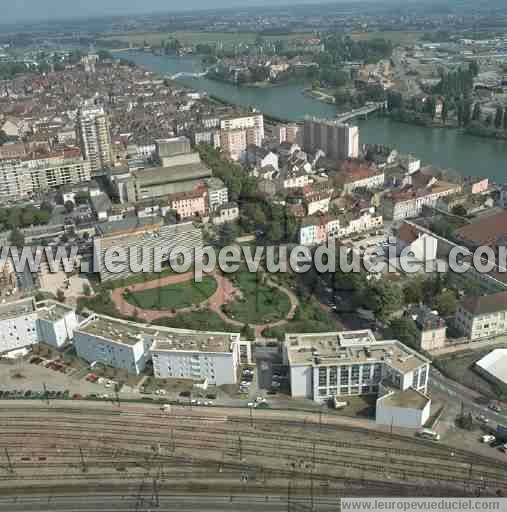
(499, 118)
(445, 111)
(446, 303)
(227, 234)
(388, 300)
(69, 206)
(413, 292)
(60, 296)
(405, 330)
(473, 67)
(505, 118)
(476, 115)
(87, 290)
(3, 137)
(459, 210)
(248, 333)
(17, 238)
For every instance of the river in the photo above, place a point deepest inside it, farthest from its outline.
(446, 148)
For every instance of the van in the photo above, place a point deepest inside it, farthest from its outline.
(428, 434)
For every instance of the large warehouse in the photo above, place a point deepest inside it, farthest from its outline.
(493, 366)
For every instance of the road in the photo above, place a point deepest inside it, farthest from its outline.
(458, 394)
(165, 503)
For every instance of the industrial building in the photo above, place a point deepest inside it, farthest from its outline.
(337, 365)
(493, 367)
(176, 353)
(147, 237)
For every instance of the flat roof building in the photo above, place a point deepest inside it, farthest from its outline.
(493, 367)
(333, 365)
(176, 353)
(18, 324)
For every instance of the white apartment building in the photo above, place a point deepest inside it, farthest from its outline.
(112, 342)
(15, 180)
(326, 366)
(200, 355)
(176, 353)
(409, 204)
(244, 122)
(56, 323)
(218, 193)
(18, 324)
(363, 179)
(95, 138)
(482, 317)
(234, 143)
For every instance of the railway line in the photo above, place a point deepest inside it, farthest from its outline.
(120, 448)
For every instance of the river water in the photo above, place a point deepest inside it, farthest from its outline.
(451, 149)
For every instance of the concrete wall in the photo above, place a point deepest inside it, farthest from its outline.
(401, 416)
(301, 382)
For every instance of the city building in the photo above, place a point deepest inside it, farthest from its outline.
(213, 356)
(228, 212)
(244, 122)
(95, 138)
(152, 183)
(360, 178)
(493, 367)
(189, 204)
(147, 239)
(337, 365)
(112, 342)
(56, 323)
(406, 204)
(418, 241)
(338, 141)
(234, 143)
(218, 194)
(18, 324)
(430, 326)
(490, 231)
(482, 317)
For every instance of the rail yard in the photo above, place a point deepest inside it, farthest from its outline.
(146, 453)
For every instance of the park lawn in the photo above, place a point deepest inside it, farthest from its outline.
(174, 296)
(260, 304)
(202, 320)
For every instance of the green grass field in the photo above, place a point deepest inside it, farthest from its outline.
(395, 37)
(259, 304)
(176, 296)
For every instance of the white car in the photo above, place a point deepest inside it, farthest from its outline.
(488, 438)
(251, 404)
(482, 419)
(260, 399)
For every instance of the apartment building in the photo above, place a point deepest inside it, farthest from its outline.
(56, 323)
(408, 204)
(112, 342)
(218, 194)
(234, 143)
(18, 324)
(360, 178)
(212, 356)
(328, 366)
(338, 141)
(189, 204)
(176, 353)
(482, 317)
(431, 328)
(244, 122)
(95, 138)
(15, 180)
(145, 239)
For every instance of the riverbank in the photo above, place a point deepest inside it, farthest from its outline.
(470, 155)
(319, 96)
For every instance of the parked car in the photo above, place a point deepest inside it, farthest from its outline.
(488, 438)
(494, 406)
(482, 419)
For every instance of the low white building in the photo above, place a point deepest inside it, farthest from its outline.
(190, 355)
(407, 409)
(18, 324)
(56, 323)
